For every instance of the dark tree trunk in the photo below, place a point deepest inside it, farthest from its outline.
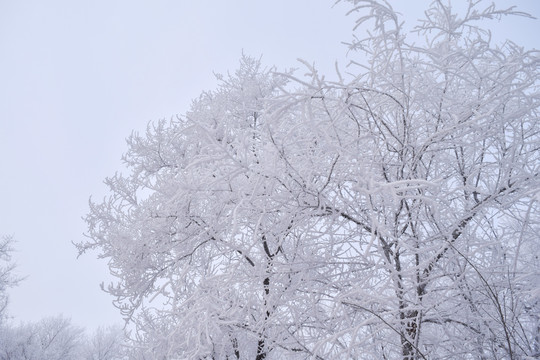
(261, 349)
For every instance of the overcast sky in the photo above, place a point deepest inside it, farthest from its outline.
(76, 77)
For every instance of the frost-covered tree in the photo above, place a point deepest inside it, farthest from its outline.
(198, 250)
(391, 214)
(106, 343)
(433, 151)
(7, 278)
(52, 338)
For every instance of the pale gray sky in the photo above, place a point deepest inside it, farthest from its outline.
(76, 77)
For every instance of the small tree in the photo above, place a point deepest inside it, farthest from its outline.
(390, 215)
(106, 343)
(7, 278)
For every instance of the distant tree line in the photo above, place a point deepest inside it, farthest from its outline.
(54, 338)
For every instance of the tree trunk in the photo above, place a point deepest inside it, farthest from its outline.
(261, 348)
